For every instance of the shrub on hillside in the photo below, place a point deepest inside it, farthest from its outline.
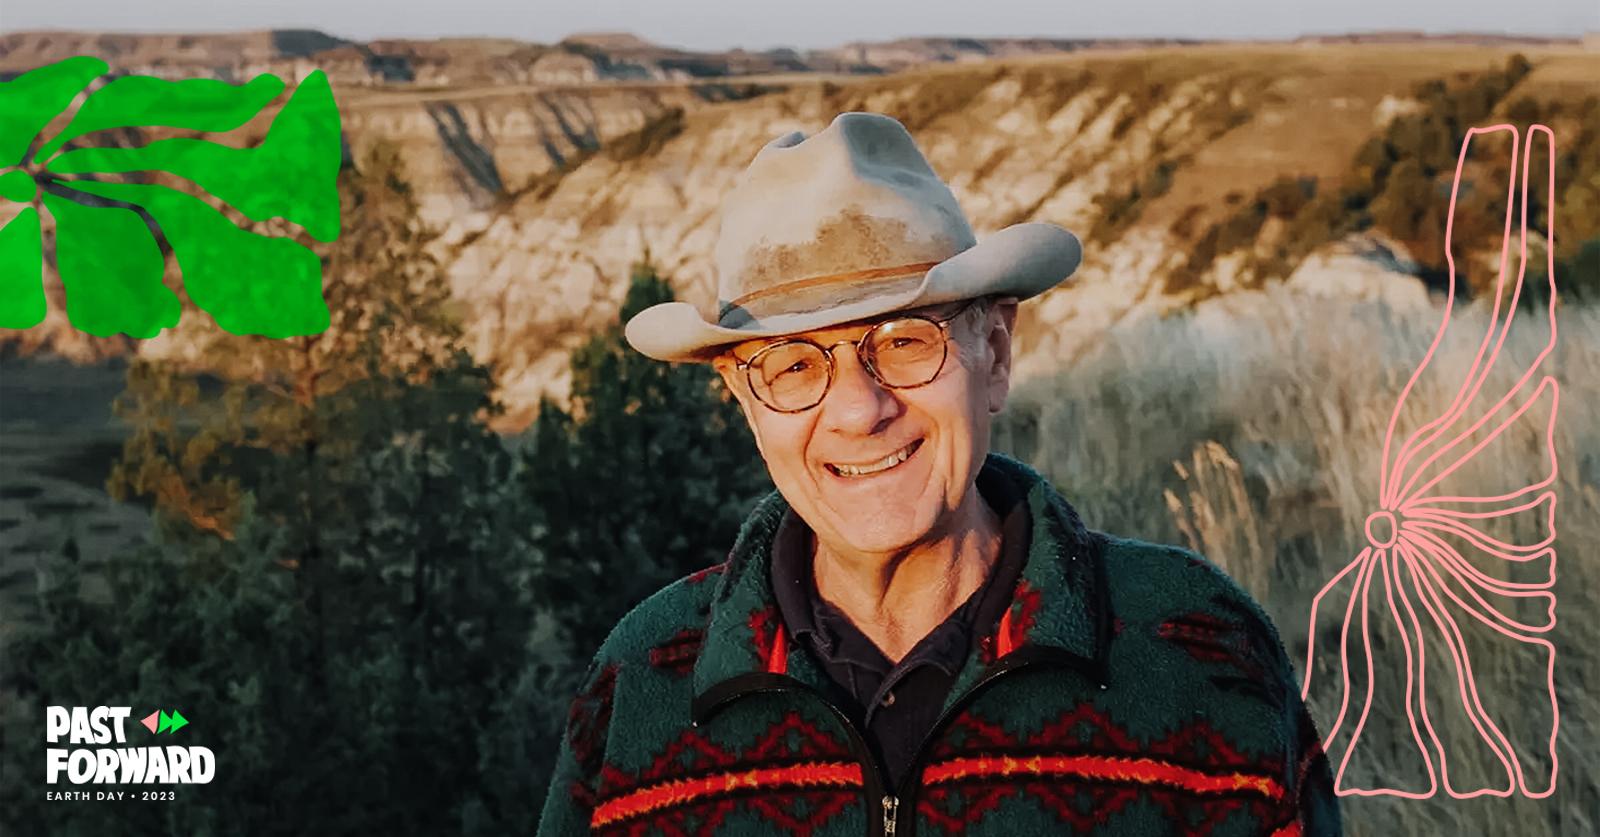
(642, 479)
(1398, 182)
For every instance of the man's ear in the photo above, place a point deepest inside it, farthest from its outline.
(1002, 323)
(734, 380)
(724, 366)
(731, 378)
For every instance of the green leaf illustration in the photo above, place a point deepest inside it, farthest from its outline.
(111, 269)
(200, 104)
(22, 293)
(17, 186)
(261, 182)
(106, 248)
(241, 278)
(30, 101)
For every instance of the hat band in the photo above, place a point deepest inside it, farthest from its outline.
(819, 281)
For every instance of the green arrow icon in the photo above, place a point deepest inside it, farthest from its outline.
(172, 722)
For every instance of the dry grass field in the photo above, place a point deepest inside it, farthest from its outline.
(1255, 439)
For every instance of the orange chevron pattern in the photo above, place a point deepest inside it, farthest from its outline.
(1103, 768)
(682, 791)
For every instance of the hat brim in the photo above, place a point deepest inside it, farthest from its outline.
(1021, 261)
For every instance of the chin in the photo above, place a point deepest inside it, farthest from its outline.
(883, 530)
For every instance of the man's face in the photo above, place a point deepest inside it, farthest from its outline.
(944, 424)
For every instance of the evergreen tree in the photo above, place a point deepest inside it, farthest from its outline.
(644, 478)
(339, 599)
(369, 607)
(390, 315)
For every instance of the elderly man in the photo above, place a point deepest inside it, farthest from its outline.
(913, 635)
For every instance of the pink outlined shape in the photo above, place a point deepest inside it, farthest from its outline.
(1405, 532)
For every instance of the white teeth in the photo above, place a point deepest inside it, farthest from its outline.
(883, 464)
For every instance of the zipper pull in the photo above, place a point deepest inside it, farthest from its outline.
(891, 808)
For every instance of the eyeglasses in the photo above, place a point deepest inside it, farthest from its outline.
(795, 374)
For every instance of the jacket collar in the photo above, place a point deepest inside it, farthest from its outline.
(1058, 605)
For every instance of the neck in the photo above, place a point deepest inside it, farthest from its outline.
(896, 598)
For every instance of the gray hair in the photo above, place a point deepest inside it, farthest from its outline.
(969, 332)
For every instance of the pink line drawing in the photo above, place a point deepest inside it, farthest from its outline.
(1410, 552)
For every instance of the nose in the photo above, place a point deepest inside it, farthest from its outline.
(856, 403)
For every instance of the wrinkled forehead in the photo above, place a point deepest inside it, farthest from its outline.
(850, 330)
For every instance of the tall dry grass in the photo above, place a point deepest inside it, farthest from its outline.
(1251, 431)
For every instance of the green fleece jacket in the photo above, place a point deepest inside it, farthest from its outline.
(1130, 689)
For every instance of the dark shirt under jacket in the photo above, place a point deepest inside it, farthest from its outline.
(895, 704)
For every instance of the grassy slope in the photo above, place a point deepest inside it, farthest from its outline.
(1260, 448)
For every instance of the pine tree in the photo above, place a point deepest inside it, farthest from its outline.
(350, 479)
(644, 478)
(390, 314)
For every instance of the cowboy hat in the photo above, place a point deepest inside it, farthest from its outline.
(848, 224)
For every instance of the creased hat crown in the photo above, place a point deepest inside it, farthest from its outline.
(811, 218)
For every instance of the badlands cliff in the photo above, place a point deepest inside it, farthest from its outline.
(546, 191)
(1030, 140)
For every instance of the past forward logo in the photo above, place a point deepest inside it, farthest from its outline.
(92, 758)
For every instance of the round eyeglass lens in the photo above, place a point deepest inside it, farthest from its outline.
(791, 376)
(907, 352)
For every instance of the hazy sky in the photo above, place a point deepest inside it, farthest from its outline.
(758, 24)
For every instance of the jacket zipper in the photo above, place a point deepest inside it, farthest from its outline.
(872, 774)
(907, 791)
(1024, 657)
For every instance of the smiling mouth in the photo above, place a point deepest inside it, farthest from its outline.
(879, 466)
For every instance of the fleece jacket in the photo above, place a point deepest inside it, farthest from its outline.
(1129, 688)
